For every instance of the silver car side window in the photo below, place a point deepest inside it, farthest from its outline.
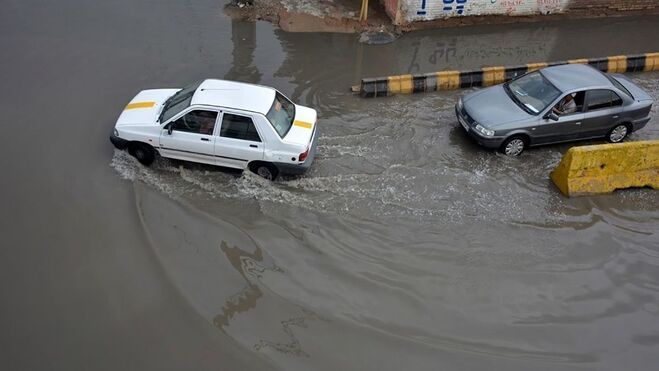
(570, 104)
(600, 99)
(617, 101)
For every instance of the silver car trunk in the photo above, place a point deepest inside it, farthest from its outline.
(637, 92)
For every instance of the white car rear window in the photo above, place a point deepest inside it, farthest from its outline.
(281, 114)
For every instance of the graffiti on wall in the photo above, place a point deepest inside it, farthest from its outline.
(433, 9)
(457, 6)
(473, 51)
(422, 8)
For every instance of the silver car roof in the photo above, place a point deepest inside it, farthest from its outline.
(571, 77)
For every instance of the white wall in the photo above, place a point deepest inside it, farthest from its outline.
(422, 10)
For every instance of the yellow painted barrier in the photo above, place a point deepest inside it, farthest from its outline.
(400, 84)
(448, 80)
(617, 64)
(535, 66)
(488, 76)
(493, 75)
(604, 168)
(578, 61)
(651, 62)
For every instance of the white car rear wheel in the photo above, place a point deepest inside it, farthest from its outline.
(265, 170)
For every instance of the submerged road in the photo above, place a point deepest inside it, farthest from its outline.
(405, 247)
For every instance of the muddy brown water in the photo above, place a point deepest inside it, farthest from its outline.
(405, 247)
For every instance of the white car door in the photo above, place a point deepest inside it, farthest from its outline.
(238, 141)
(190, 137)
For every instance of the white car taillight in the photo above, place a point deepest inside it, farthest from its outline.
(303, 155)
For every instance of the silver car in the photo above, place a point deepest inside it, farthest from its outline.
(552, 105)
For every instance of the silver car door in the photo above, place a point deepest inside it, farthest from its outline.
(550, 131)
(603, 108)
(565, 128)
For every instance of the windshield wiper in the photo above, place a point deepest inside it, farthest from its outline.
(531, 108)
(164, 107)
(517, 101)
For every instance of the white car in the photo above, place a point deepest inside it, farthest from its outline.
(222, 123)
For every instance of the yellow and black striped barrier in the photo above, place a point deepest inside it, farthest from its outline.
(487, 76)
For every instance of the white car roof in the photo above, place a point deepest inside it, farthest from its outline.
(232, 94)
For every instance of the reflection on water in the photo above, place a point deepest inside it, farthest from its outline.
(224, 280)
(404, 226)
(247, 265)
(407, 158)
(243, 39)
(406, 246)
(250, 268)
(292, 347)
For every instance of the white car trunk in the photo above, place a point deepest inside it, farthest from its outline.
(303, 127)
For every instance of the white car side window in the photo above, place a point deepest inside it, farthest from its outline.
(196, 122)
(239, 127)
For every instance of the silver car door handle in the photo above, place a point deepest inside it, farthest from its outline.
(616, 116)
(578, 123)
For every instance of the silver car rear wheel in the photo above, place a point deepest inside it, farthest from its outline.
(618, 133)
(514, 147)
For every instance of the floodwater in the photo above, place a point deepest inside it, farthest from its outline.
(405, 247)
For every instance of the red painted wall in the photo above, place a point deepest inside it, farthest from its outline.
(391, 6)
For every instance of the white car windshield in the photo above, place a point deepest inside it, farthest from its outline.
(532, 92)
(178, 102)
(281, 114)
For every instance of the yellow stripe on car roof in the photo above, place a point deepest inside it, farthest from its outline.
(139, 105)
(302, 124)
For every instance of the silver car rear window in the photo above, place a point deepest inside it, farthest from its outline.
(618, 85)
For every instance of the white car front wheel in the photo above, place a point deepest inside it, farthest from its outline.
(144, 153)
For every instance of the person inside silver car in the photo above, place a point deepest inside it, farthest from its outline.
(566, 106)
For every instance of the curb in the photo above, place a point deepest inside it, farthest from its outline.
(487, 76)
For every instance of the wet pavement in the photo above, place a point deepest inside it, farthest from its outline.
(405, 247)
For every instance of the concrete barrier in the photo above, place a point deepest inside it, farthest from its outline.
(604, 168)
(487, 76)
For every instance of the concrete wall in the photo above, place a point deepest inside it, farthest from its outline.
(405, 11)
